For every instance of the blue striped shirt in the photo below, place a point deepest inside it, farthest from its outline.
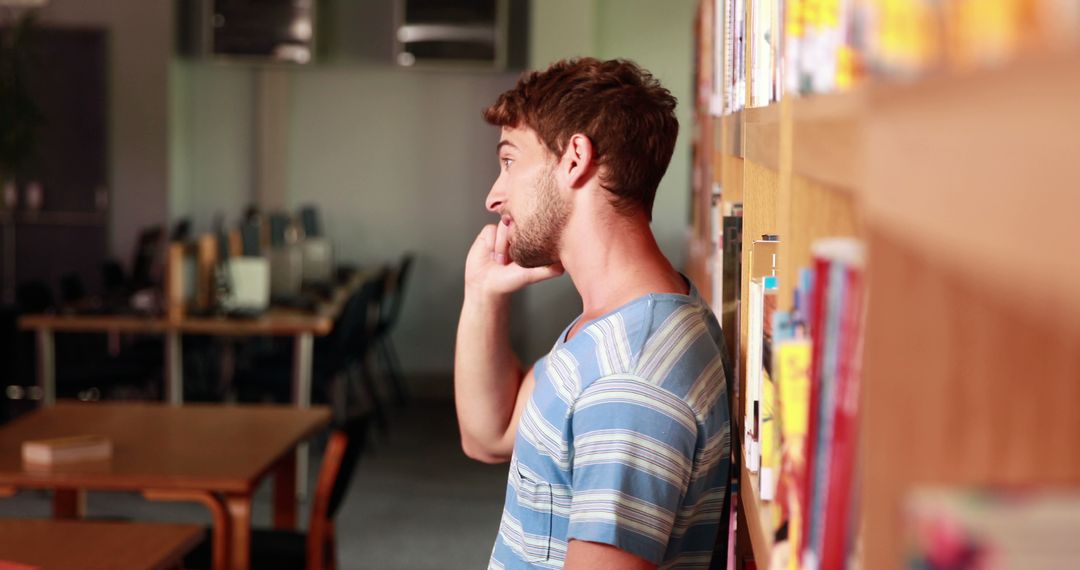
(625, 440)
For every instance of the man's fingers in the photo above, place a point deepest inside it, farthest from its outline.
(499, 251)
(487, 236)
(537, 274)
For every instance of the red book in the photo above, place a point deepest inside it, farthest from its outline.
(817, 326)
(845, 424)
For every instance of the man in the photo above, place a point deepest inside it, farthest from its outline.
(618, 439)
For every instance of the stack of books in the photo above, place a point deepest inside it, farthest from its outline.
(807, 406)
(764, 49)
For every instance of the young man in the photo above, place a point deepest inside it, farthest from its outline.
(618, 439)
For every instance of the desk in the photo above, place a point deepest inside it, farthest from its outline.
(304, 326)
(215, 455)
(93, 545)
(301, 325)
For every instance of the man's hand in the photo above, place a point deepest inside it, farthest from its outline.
(489, 270)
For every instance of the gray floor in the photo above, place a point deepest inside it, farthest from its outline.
(416, 501)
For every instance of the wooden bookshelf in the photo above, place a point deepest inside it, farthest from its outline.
(827, 133)
(964, 189)
(759, 523)
(761, 136)
(972, 319)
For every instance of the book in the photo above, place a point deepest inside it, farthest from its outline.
(756, 319)
(845, 420)
(731, 282)
(762, 301)
(769, 439)
(991, 527)
(765, 49)
(793, 381)
(833, 259)
(65, 450)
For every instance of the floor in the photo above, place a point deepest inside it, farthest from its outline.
(416, 501)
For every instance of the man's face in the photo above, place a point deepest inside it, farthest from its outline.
(527, 197)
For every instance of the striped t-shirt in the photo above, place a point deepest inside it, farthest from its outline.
(625, 440)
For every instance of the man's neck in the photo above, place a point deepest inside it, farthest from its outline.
(614, 262)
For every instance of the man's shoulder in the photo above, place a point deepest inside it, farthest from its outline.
(672, 341)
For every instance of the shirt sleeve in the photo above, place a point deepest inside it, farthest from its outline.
(633, 453)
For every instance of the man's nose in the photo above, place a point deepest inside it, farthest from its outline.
(495, 198)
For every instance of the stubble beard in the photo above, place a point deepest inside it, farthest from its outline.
(537, 240)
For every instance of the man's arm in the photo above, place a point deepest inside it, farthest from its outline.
(490, 387)
(585, 555)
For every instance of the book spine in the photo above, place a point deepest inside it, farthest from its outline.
(845, 436)
(816, 324)
(755, 323)
(819, 476)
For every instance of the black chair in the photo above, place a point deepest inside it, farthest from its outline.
(310, 222)
(316, 549)
(335, 355)
(390, 310)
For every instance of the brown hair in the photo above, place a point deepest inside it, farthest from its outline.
(627, 115)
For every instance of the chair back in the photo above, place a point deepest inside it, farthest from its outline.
(33, 297)
(148, 252)
(251, 238)
(343, 452)
(353, 326)
(310, 222)
(394, 293)
(355, 431)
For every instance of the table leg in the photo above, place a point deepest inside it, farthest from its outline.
(227, 370)
(68, 504)
(46, 366)
(221, 544)
(174, 368)
(303, 361)
(239, 507)
(285, 493)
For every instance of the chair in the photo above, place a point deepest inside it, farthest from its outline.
(390, 310)
(335, 355)
(316, 549)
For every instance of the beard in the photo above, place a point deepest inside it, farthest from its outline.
(537, 240)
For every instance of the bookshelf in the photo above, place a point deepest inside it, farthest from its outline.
(964, 187)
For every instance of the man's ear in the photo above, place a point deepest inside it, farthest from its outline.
(577, 161)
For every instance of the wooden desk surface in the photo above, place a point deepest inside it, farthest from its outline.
(155, 446)
(274, 322)
(95, 545)
(277, 321)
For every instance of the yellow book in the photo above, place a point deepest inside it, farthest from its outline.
(792, 363)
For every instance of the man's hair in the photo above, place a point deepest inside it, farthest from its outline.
(627, 115)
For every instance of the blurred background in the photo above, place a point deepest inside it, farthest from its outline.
(396, 158)
(297, 148)
(239, 207)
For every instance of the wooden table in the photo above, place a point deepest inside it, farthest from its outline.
(215, 455)
(94, 545)
(303, 326)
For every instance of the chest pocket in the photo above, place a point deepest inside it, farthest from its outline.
(534, 508)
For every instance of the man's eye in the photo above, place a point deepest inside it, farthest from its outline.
(506, 162)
